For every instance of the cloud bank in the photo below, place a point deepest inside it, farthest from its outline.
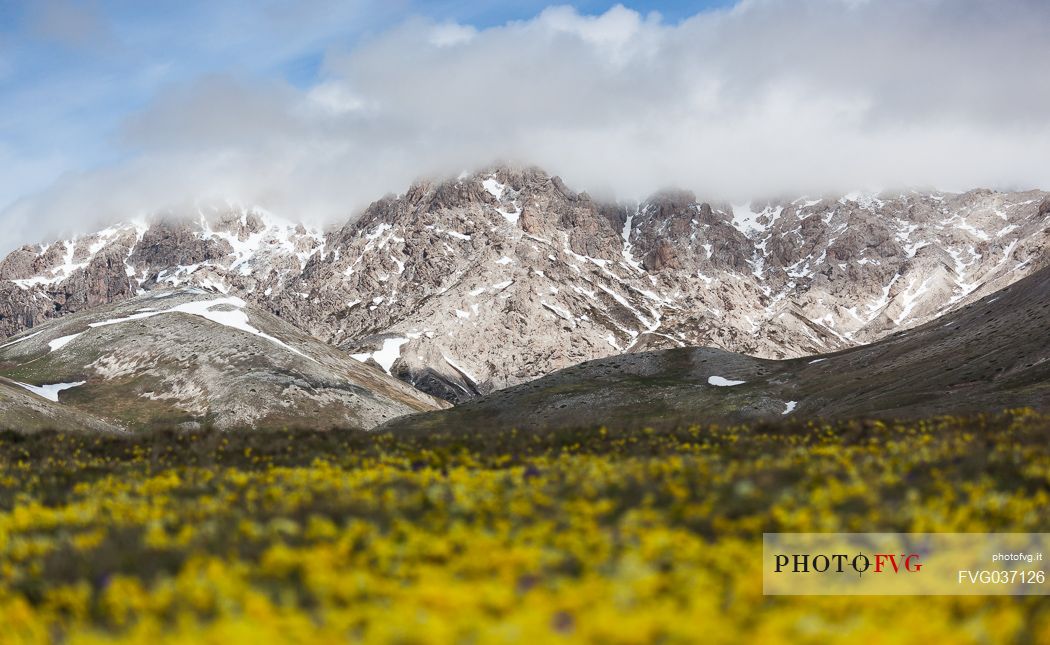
(766, 97)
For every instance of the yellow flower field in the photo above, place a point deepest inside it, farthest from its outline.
(562, 536)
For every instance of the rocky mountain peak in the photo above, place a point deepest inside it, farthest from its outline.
(468, 284)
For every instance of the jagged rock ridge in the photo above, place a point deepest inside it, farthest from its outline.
(477, 283)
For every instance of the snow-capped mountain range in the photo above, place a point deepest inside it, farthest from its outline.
(472, 284)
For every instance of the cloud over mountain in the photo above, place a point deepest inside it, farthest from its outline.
(762, 98)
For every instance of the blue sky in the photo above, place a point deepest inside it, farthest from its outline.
(111, 109)
(71, 72)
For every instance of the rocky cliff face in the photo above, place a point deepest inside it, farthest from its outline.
(473, 284)
(225, 250)
(991, 354)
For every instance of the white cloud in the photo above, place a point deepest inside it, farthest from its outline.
(450, 34)
(767, 97)
(334, 98)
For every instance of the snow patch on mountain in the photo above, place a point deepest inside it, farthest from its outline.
(59, 343)
(49, 392)
(19, 340)
(386, 355)
(720, 381)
